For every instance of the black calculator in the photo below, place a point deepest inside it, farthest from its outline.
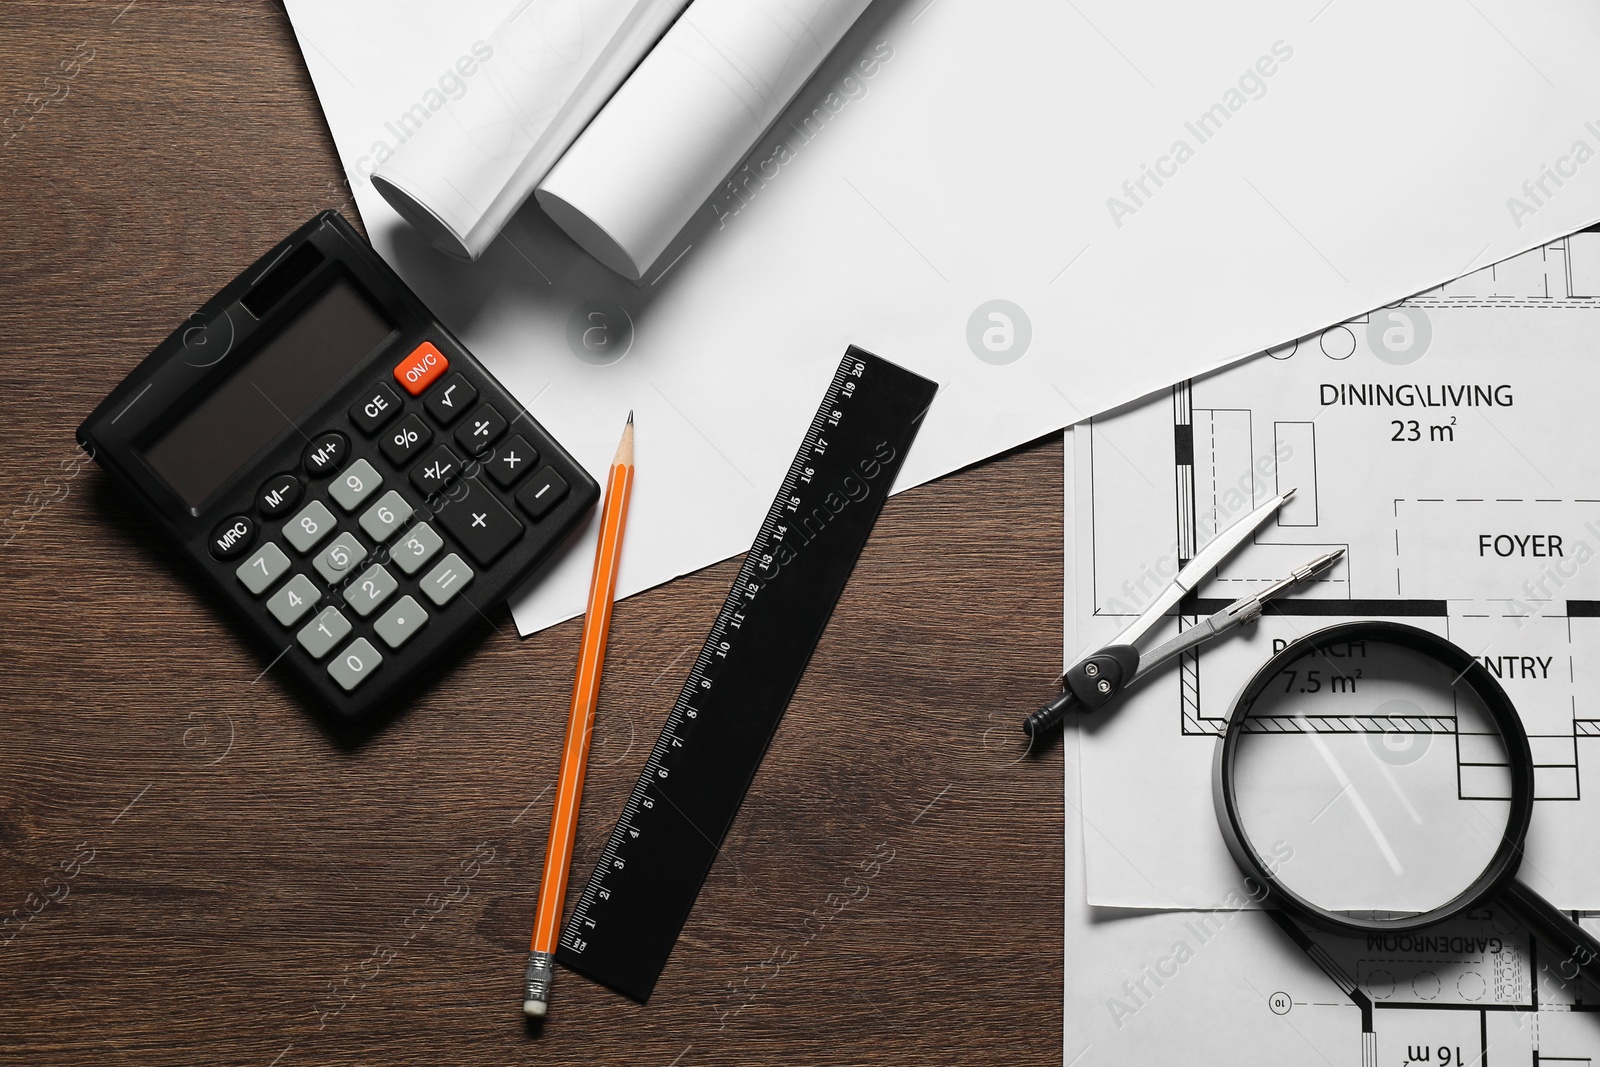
(338, 466)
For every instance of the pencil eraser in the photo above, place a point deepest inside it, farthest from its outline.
(535, 1008)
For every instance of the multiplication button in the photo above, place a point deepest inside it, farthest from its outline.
(354, 484)
(354, 664)
(319, 635)
(308, 529)
(511, 461)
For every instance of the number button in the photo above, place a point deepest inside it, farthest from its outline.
(371, 589)
(437, 471)
(405, 439)
(232, 538)
(543, 492)
(280, 493)
(354, 664)
(382, 519)
(453, 396)
(511, 461)
(326, 454)
(319, 635)
(290, 604)
(354, 484)
(307, 529)
(418, 370)
(481, 430)
(376, 408)
(340, 558)
(263, 568)
(416, 548)
(397, 624)
(447, 579)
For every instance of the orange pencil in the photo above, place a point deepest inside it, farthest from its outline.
(580, 725)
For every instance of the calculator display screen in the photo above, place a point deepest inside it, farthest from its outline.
(268, 392)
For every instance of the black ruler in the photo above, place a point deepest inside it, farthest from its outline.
(674, 822)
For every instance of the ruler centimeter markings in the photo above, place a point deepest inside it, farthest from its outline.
(675, 820)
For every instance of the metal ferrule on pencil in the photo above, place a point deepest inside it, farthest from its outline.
(536, 982)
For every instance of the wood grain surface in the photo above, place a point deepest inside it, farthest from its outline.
(197, 873)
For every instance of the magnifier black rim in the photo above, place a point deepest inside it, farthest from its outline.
(1502, 867)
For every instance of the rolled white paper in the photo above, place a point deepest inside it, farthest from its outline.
(683, 120)
(552, 66)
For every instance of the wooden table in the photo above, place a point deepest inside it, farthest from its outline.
(201, 875)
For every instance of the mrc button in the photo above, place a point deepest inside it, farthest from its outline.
(232, 538)
(419, 370)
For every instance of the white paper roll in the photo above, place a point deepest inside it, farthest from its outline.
(690, 111)
(552, 65)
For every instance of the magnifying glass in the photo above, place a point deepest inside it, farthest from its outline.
(1375, 778)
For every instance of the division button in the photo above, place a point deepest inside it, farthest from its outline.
(323, 632)
(451, 400)
(482, 429)
(447, 579)
(371, 589)
(289, 604)
(418, 370)
(308, 528)
(382, 519)
(262, 569)
(479, 522)
(278, 494)
(232, 537)
(405, 439)
(354, 664)
(326, 454)
(354, 484)
(340, 558)
(511, 461)
(416, 547)
(543, 492)
(402, 620)
(437, 471)
(375, 408)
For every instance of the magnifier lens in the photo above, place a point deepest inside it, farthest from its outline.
(1371, 781)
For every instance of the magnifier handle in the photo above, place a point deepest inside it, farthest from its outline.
(1570, 951)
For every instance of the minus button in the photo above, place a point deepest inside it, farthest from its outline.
(541, 493)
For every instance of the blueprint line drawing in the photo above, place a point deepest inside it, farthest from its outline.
(1447, 444)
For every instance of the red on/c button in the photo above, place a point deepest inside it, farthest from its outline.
(418, 370)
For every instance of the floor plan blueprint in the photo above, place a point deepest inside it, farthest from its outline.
(1249, 988)
(1448, 444)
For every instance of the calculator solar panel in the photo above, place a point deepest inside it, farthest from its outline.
(348, 475)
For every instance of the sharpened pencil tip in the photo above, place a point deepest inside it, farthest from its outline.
(1288, 495)
(630, 416)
